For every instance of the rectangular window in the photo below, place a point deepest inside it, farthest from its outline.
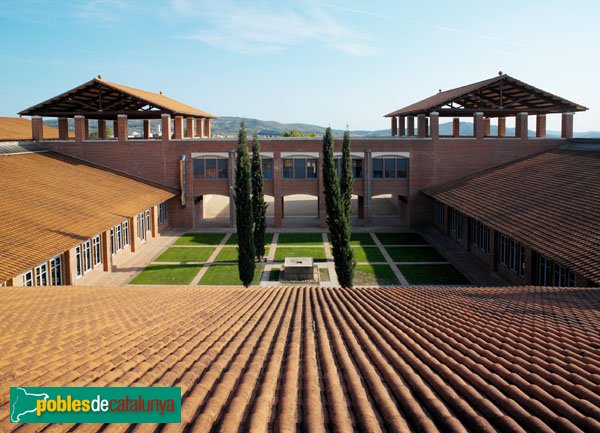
(126, 237)
(288, 168)
(112, 241)
(267, 168)
(439, 212)
(357, 168)
(299, 168)
(199, 168)
(141, 226)
(87, 256)
(503, 249)
(148, 220)
(456, 223)
(56, 273)
(543, 271)
(311, 168)
(401, 167)
(162, 213)
(97, 256)
(41, 275)
(222, 166)
(78, 261)
(377, 168)
(480, 236)
(118, 238)
(390, 167)
(28, 278)
(562, 276)
(211, 168)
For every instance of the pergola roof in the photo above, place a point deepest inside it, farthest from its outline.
(499, 96)
(100, 99)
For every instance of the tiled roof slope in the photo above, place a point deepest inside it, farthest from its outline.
(18, 128)
(50, 203)
(422, 359)
(549, 202)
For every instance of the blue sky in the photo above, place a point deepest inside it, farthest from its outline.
(328, 62)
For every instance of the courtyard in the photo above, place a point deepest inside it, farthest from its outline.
(382, 259)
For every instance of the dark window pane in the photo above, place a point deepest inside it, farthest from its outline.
(267, 167)
(357, 168)
(401, 167)
(390, 167)
(222, 166)
(211, 168)
(199, 168)
(288, 168)
(299, 168)
(311, 168)
(377, 168)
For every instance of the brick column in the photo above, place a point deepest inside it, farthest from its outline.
(207, 131)
(540, 125)
(368, 178)
(79, 128)
(456, 127)
(190, 127)
(421, 125)
(106, 255)
(123, 127)
(394, 126)
(486, 127)
(69, 267)
(165, 127)
(410, 126)
(101, 129)
(566, 130)
(401, 126)
(277, 197)
(63, 128)
(434, 128)
(478, 125)
(199, 127)
(37, 128)
(133, 233)
(146, 129)
(322, 207)
(154, 220)
(178, 128)
(231, 175)
(521, 124)
(501, 126)
(86, 129)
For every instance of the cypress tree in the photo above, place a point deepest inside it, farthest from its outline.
(259, 207)
(346, 176)
(243, 210)
(337, 217)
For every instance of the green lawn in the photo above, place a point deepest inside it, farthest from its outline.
(200, 239)
(367, 254)
(181, 254)
(381, 275)
(230, 254)
(358, 239)
(415, 254)
(432, 274)
(233, 239)
(300, 239)
(317, 253)
(167, 274)
(401, 239)
(227, 275)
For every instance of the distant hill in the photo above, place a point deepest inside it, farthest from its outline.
(227, 126)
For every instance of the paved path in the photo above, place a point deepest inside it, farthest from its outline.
(210, 260)
(403, 281)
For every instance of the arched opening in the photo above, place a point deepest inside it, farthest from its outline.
(270, 201)
(212, 210)
(389, 210)
(300, 210)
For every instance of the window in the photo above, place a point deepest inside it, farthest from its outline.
(211, 168)
(97, 255)
(288, 168)
(503, 250)
(222, 168)
(480, 236)
(41, 275)
(512, 254)
(87, 256)
(126, 238)
(456, 223)
(118, 238)
(563, 276)
(141, 226)
(439, 212)
(78, 264)
(112, 241)
(299, 168)
(162, 214)
(543, 270)
(401, 167)
(390, 168)
(357, 168)
(148, 223)
(199, 167)
(377, 168)
(56, 274)
(267, 168)
(311, 168)
(28, 278)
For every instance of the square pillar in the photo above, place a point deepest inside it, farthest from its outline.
(133, 234)
(165, 127)
(123, 127)
(190, 127)
(178, 126)
(566, 130)
(486, 127)
(200, 127)
(521, 126)
(63, 128)
(394, 126)
(69, 267)
(421, 125)
(501, 126)
(401, 126)
(361, 207)
(79, 128)
(410, 126)
(434, 127)
(37, 128)
(146, 129)
(106, 256)
(86, 129)
(456, 127)
(154, 220)
(478, 125)
(367, 187)
(101, 129)
(277, 181)
(207, 131)
(540, 125)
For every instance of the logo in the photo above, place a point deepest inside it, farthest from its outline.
(95, 405)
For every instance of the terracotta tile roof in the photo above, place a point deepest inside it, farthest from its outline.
(550, 202)
(422, 359)
(50, 203)
(19, 129)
